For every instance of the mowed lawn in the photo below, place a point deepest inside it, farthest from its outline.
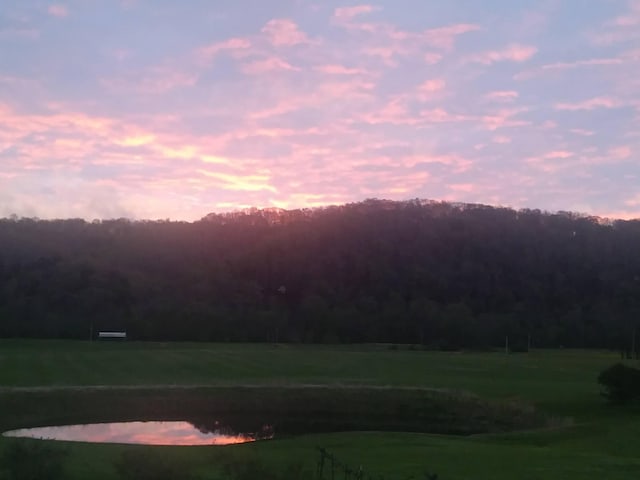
(601, 442)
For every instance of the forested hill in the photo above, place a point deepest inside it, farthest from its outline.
(419, 272)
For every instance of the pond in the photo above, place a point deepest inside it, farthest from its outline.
(144, 433)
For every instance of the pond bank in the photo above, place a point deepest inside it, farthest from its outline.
(290, 409)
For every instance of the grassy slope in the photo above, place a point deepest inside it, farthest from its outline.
(600, 445)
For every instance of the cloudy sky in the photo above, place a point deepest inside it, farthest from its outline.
(174, 109)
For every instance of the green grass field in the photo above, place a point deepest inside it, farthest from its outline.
(601, 441)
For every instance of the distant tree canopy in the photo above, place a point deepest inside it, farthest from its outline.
(421, 272)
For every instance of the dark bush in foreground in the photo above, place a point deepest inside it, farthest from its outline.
(621, 383)
(32, 460)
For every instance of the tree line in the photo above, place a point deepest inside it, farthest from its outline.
(419, 272)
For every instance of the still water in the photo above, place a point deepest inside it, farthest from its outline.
(145, 433)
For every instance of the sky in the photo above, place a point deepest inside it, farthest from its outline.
(164, 109)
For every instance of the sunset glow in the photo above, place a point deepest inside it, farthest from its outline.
(140, 109)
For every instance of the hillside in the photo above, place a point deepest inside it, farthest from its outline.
(419, 272)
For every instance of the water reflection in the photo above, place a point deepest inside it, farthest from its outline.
(146, 433)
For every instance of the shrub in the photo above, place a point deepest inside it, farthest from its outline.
(621, 383)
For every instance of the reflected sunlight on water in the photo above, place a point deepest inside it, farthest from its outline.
(145, 433)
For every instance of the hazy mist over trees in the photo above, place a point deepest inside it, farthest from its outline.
(420, 272)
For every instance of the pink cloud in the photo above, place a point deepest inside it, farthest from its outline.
(551, 162)
(444, 37)
(284, 32)
(458, 163)
(582, 132)
(559, 154)
(621, 29)
(629, 19)
(582, 63)
(431, 58)
(439, 115)
(270, 64)
(394, 41)
(563, 66)
(613, 156)
(616, 36)
(30, 33)
(431, 89)
(309, 200)
(633, 202)
(347, 13)
(502, 96)
(57, 10)
(504, 118)
(387, 53)
(154, 81)
(334, 69)
(235, 46)
(394, 112)
(632, 55)
(620, 153)
(511, 53)
(337, 93)
(282, 107)
(462, 187)
(590, 104)
(501, 139)
(432, 85)
(621, 214)
(240, 182)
